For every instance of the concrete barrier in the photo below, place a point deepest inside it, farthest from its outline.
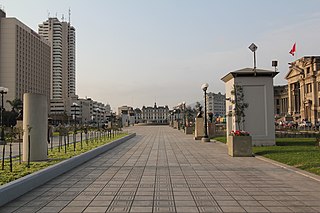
(15, 189)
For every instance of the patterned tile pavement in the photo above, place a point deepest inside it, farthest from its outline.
(164, 170)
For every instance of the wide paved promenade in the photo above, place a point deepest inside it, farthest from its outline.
(163, 170)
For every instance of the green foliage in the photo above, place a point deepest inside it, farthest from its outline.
(239, 106)
(222, 139)
(16, 105)
(297, 152)
(301, 153)
(54, 156)
(10, 118)
(190, 114)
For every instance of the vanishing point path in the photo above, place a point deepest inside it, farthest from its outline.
(164, 170)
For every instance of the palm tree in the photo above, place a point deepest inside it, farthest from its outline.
(16, 105)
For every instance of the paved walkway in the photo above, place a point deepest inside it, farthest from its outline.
(163, 170)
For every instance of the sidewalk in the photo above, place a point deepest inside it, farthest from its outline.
(163, 170)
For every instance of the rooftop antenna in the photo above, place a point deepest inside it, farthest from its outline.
(69, 15)
(253, 48)
(48, 13)
(56, 15)
(62, 18)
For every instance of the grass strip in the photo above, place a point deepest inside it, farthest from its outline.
(301, 153)
(54, 156)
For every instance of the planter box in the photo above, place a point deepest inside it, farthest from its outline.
(188, 130)
(240, 146)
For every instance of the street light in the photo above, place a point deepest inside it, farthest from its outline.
(205, 138)
(3, 91)
(254, 48)
(184, 115)
(98, 117)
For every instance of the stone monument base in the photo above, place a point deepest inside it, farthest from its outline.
(199, 129)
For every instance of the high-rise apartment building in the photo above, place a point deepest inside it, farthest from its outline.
(24, 59)
(61, 36)
(216, 104)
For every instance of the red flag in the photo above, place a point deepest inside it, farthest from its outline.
(293, 49)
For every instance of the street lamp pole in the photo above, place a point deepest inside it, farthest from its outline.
(184, 115)
(3, 91)
(98, 118)
(205, 138)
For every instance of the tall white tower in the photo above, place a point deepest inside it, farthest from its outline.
(61, 35)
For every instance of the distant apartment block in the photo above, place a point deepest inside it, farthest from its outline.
(216, 104)
(280, 100)
(127, 115)
(25, 59)
(87, 111)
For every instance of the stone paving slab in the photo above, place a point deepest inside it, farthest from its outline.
(163, 170)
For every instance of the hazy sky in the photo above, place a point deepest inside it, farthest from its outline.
(136, 52)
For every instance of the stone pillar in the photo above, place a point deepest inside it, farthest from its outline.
(35, 116)
(211, 129)
(199, 129)
(290, 99)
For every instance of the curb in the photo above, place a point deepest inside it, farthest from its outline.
(16, 188)
(287, 167)
(290, 168)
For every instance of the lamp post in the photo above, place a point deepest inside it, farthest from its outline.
(174, 118)
(74, 105)
(254, 48)
(184, 115)
(205, 138)
(3, 91)
(98, 117)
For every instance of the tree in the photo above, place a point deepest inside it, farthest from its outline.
(198, 108)
(16, 105)
(239, 106)
(190, 115)
(10, 118)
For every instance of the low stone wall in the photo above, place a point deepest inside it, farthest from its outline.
(15, 189)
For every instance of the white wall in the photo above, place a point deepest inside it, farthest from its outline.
(259, 120)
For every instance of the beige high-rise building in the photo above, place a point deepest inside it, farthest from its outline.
(24, 59)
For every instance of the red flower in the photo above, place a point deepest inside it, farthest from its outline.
(239, 133)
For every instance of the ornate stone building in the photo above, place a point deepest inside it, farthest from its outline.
(304, 88)
(155, 114)
(281, 100)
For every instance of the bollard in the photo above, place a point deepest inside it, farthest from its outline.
(10, 157)
(19, 149)
(3, 153)
(29, 151)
